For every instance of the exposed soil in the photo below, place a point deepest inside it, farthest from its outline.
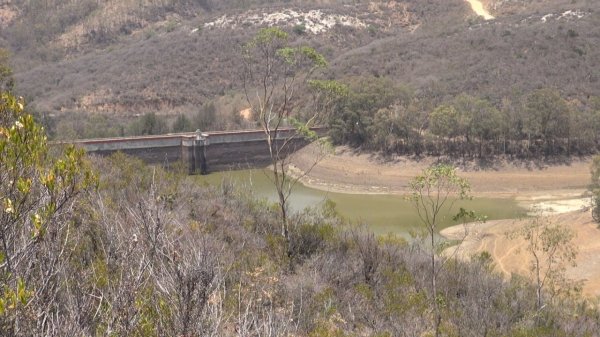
(556, 189)
(528, 181)
(478, 8)
(509, 256)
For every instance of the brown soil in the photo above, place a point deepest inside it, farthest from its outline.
(351, 172)
(246, 114)
(509, 256)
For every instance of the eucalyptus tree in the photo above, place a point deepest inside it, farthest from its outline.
(477, 118)
(274, 73)
(433, 194)
(547, 116)
(551, 251)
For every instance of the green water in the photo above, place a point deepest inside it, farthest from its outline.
(382, 213)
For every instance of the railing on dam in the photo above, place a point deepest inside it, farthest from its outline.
(201, 152)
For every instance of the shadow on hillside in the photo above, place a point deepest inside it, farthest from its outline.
(470, 163)
(500, 162)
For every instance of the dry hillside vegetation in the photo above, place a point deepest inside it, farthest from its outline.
(170, 57)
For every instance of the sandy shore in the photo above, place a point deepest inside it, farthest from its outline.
(530, 182)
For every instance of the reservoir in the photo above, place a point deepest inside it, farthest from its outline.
(382, 213)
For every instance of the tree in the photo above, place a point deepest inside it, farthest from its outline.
(477, 118)
(37, 193)
(149, 124)
(6, 76)
(444, 122)
(595, 188)
(206, 117)
(551, 250)
(433, 195)
(353, 121)
(547, 116)
(273, 72)
(182, 124)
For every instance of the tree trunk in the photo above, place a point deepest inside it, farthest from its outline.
(438, 316)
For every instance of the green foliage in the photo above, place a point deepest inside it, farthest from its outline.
(431, 192)
(329, 88)
(352, 120)
(149, 124)
(437, 183)
(477, 117)
(267, 36)
(206, 117)
(551, 251)
(153, 310)
(444, 121)
(182, 124)
(547, 114)
(392, 119)
(272, 69)
(299, 29)
(35, 190)
(7, 81)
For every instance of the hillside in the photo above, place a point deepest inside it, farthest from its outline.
(125, 58)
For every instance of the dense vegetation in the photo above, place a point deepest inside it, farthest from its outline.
(376, 115)
(144, 252)
(111, 61)
(131, 250)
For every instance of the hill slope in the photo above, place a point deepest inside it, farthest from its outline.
(124, 58)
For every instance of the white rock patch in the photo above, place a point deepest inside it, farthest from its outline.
(566, 15)
(314, 21)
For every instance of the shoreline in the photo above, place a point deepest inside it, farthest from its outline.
(557, 190)
(554, 188)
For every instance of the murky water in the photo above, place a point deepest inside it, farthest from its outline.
(381, 212)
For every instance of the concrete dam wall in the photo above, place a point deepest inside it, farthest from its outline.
(200, 152)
